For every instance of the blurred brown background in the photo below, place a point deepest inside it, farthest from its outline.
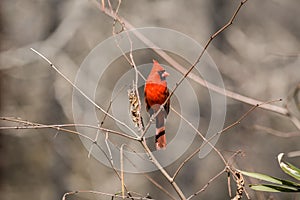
(258, 56)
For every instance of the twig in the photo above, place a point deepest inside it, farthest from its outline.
(207, 141)
(247, 113)
(101, 124)
(122, 171)
(108, 148)
(159, 186)
(147, 176)
(163, 171)
(171, 180)
(58, 127)
(129, 59)
(233, 156)
(238, 121)
(207, 184)
(198, 149)
(177, 189)
(101, 193)
(33, 125)
(273, 108)
(186, 73)
(81, 92)
(230, 22)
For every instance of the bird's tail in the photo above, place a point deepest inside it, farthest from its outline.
(160, 139)
(160, 135)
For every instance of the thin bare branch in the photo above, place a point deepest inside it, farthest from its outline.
(101, 125)
(207, 184)
(81, 92)
(115, 16)
(198, 149)
(27, 123)
(58, 127)
(238, 121)
(144, 174)
(114, 196)
(207, 141)
(230, 22)
(122, 171)
(163, 171)
(129, 59)
(269, 107)
(246, 114)
(159, 186)
(108, 147)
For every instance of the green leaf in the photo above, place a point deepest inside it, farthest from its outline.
(271, 179)
(278, 185)
(288, 167)
(262, 177)
(290, 183)
(263, 188)
(274, 188)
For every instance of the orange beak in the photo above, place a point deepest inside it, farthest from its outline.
(165, 74)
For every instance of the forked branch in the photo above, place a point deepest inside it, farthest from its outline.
(251, 101)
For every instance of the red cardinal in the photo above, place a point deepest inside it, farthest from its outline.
(156, 93)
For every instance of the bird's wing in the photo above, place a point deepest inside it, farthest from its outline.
(148, 108)
(167, 105)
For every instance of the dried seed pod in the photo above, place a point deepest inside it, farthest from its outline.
(135, 108)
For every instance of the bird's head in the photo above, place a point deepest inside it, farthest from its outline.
(158, 73)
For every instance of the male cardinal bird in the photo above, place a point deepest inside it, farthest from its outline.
(156, 93)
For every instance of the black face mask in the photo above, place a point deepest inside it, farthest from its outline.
(162, 78)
